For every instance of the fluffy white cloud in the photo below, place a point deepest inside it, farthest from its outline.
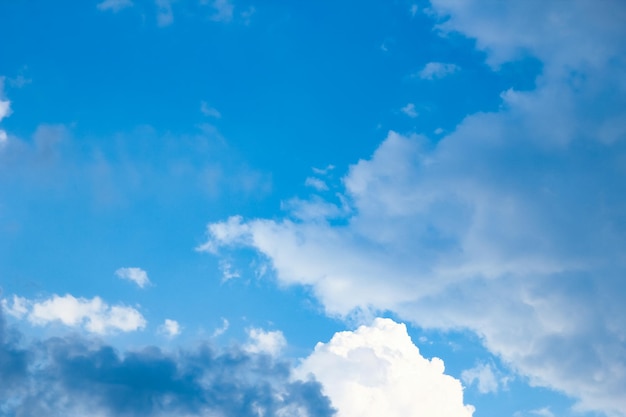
(136, 275)
(512, 225)
(114, 5)
(170, 328)
(377, 371)
(94, 315)
(261, 341)
(434, 70)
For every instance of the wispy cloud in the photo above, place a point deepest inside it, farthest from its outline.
(223, 10)
(409, 110)
(114, 5)
(209, 111)
(435, 70)
(165, 14)
(316, 183)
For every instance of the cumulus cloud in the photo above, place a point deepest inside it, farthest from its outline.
(270, 342)
(377, 371)
(114, 5)
(136, 275)
(93, 315)
(434, 70)
(512, 225)
(77, 377)
(170, 328)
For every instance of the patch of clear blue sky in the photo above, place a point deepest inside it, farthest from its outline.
(304, 84)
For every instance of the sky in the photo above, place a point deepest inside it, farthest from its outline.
(270, 208)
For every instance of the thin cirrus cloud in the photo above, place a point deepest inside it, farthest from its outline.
(114, 5)
(376, 370)
(74, 376)
(93, 315)
(435, 70)
(136, 275)
(511, 225)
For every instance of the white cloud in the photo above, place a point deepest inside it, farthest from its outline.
(209, 111)
(414, 9)
(262, 341)
(409, 110)
(222, 329)
(136, 275)
(378, 371)
(114, 5)
(434, 70)
(512, 225)
(316, 183)
(18, 308)
(323, 171)
(5, 111)
(94, 315)
(484, 376)
(170, 328)
(228, 272)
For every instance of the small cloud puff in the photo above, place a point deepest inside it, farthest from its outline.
(434, 70)
(170, 328)
(409, 110)
(221, 330)
(94, 315)
(136, 275)
(262, 341)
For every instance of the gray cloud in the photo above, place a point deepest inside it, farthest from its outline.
(73, 376)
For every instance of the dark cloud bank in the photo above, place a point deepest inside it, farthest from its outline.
(73, 376)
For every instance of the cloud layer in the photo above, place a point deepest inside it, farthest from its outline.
(513, 225)
(77, 377)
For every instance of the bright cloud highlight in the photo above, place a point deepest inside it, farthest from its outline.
(377, 371)
(93, 315)
(136, 275)
(271, 342)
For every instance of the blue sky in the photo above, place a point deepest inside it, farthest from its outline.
(241, 208)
